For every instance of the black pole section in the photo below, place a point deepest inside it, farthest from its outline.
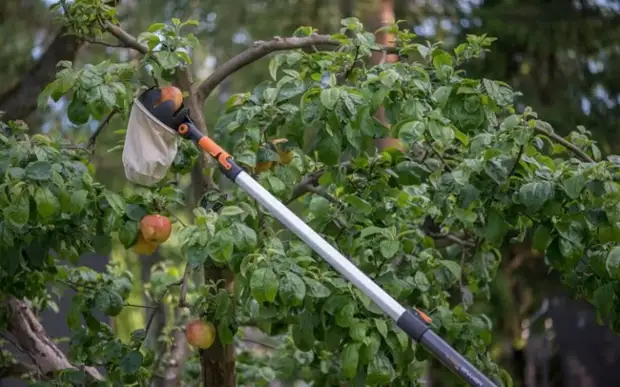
(415, 327)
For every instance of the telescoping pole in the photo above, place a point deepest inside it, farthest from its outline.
(413, 322)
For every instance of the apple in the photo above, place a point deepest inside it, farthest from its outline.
(284, 155)
(389, 144)
(155, 228)
(263, 166)
(142, 247)
(200, 334)
(171, 93)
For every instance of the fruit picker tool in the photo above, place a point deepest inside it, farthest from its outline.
(412, 321)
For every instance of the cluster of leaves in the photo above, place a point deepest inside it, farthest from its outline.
(474, 168)
(96, 89)
(85, 18)
(168, 48)
(53, 212)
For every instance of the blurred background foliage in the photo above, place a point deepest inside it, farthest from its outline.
(560, 54)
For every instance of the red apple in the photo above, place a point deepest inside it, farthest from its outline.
(155, 228)
(200, 334)
(171, 93)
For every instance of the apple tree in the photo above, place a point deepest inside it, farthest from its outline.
(463, 174)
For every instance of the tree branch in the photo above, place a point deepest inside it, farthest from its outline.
(306, 184)
(90, 146)
(33, 340)
(125, 38)
(260, 49)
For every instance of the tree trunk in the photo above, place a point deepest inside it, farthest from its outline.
(218, 361)
(21, 100)
(386, 17)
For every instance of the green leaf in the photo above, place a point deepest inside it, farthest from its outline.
(604, 300)
(454, 267)
(130, 363)
(116, 201)
(222, 304)
(440, 132)
(196, 255)
(128, 233)
(231, 211)
(329, 149)
(380, 370)
(264, 285)
(372, 230)
(612, 264)
(245, 238)
(574, 185)
(156, 27)
(319, 206)
(354, 136)
(510, 122)
(18, 214)
(349, 360)
(224, 333)
(381, 327)
(78, 201)
(344, 316)
(47, 204)
(389, 248)
(541, 238)
(496, 227)
(357, 330)
(39, 170)
(421, 281)
(222, 246)
(329, 97)
(534, 195)
(359, 203)
(292, 289)
(316, 289)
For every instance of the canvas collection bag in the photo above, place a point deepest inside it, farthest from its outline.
(150, 147)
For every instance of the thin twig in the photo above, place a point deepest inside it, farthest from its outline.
(321, 192)
(184, 286)
(156, 308)
(514, 166)
(451, 237)
(93, 139)
(350, 69)
(259, 343)
(440, 156)
(461, 281)
(140, 306)
(567, 144)
(98, 42)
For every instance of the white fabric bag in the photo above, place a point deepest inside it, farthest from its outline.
(150, 147)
